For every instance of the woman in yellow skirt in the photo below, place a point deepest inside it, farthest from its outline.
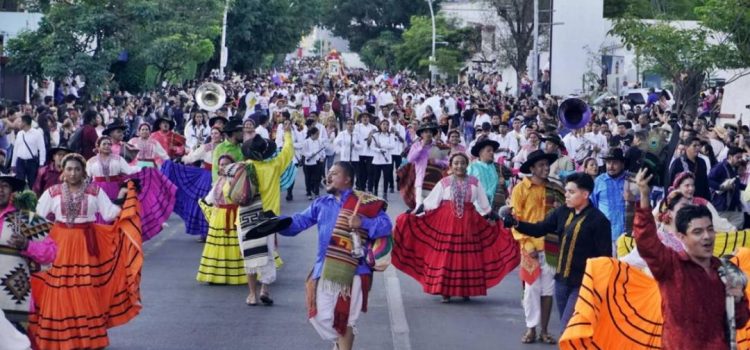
(94, 282)
(222, 261)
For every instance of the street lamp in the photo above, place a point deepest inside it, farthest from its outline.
(432, 57)
(224, 53)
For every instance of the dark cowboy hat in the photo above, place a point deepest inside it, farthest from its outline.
(258, 148)
(216, 118)
(429, 125)
(232, 126)
(267, 224)
(482, 107)
(535, 157)
(114, 126)
(158, 121)
(54, 150)
(16, 185)
(615, 153)
(554, 139)
(481, 144)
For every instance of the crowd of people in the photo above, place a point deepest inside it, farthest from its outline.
(492, 181)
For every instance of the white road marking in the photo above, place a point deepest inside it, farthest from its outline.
(399, 325)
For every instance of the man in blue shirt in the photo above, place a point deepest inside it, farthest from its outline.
(339, 271)
(609, 192)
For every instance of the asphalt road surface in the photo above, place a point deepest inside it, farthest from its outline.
(180, 313)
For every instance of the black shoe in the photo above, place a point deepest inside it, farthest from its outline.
(419, 210)
(289, 197)
(392, 190)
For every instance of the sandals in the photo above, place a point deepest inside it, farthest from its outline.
(446, 299)
(546, 339)
(251, 300)
(529, 337)
(266, 300)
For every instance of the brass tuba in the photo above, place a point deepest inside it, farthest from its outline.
(574, 113)
(210, 97)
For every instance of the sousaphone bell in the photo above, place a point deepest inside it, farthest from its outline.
(574, 113)
(210, 97)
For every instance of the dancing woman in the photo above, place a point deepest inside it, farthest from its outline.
(94, 282)
(453, 250)
(150, 152)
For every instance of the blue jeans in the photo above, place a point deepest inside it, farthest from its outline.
(565, 297)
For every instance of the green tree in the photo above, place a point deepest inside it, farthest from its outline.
(82, 39)
(416, 47)
(683, 55)
(732, 18)
(379, 53)
(674, 9)
(361, 20)
(183, 38)
(256, 28)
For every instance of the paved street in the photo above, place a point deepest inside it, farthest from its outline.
(180, 313)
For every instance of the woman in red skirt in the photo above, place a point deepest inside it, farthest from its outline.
(94, 282)
(452, 249)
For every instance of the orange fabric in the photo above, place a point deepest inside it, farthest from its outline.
(619, 307)
(81, 295)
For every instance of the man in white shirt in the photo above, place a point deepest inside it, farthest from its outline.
(508, 143)
(482, 117)
(349, 144)
(598, 141)
(364, 128)
(399, 134)
(29, 151)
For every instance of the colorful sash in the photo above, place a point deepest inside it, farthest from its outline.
(288, 176)
(339, 266)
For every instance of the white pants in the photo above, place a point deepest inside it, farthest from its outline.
(326, 302)
(10, 338)
(418, 196)
(532, 293)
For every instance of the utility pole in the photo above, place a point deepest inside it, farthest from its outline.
(535, 56)
(432, 57)
(224, 53)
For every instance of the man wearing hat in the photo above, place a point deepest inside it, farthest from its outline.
(561, 167)
(171, 141)
(231, 146)
(49, 175)
(24, 246)
(364, 129)
(259, 152)
(482, 116)
(610, 190)
(218, 121)
(116, 130)
(423, 152)
(490, 174)
(532, 199)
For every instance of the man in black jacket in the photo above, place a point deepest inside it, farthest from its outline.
(583, 232)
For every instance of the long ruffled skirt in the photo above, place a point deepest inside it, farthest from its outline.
(82, 295)
(453, 256)
(192, 183)
(157, 197)
(222, 261)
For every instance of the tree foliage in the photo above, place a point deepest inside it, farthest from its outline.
(256, 28)
(416, 47)
(732, 18)
(379, 53)
(684, 55)
(517, 41)
(362, 20)
(674, 9)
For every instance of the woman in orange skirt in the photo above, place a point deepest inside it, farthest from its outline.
(94, 281)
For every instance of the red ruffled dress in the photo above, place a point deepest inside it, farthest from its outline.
(452, 250)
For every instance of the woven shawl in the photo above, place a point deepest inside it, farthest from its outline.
(254, 251)
(339, 267)
(15, 269)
